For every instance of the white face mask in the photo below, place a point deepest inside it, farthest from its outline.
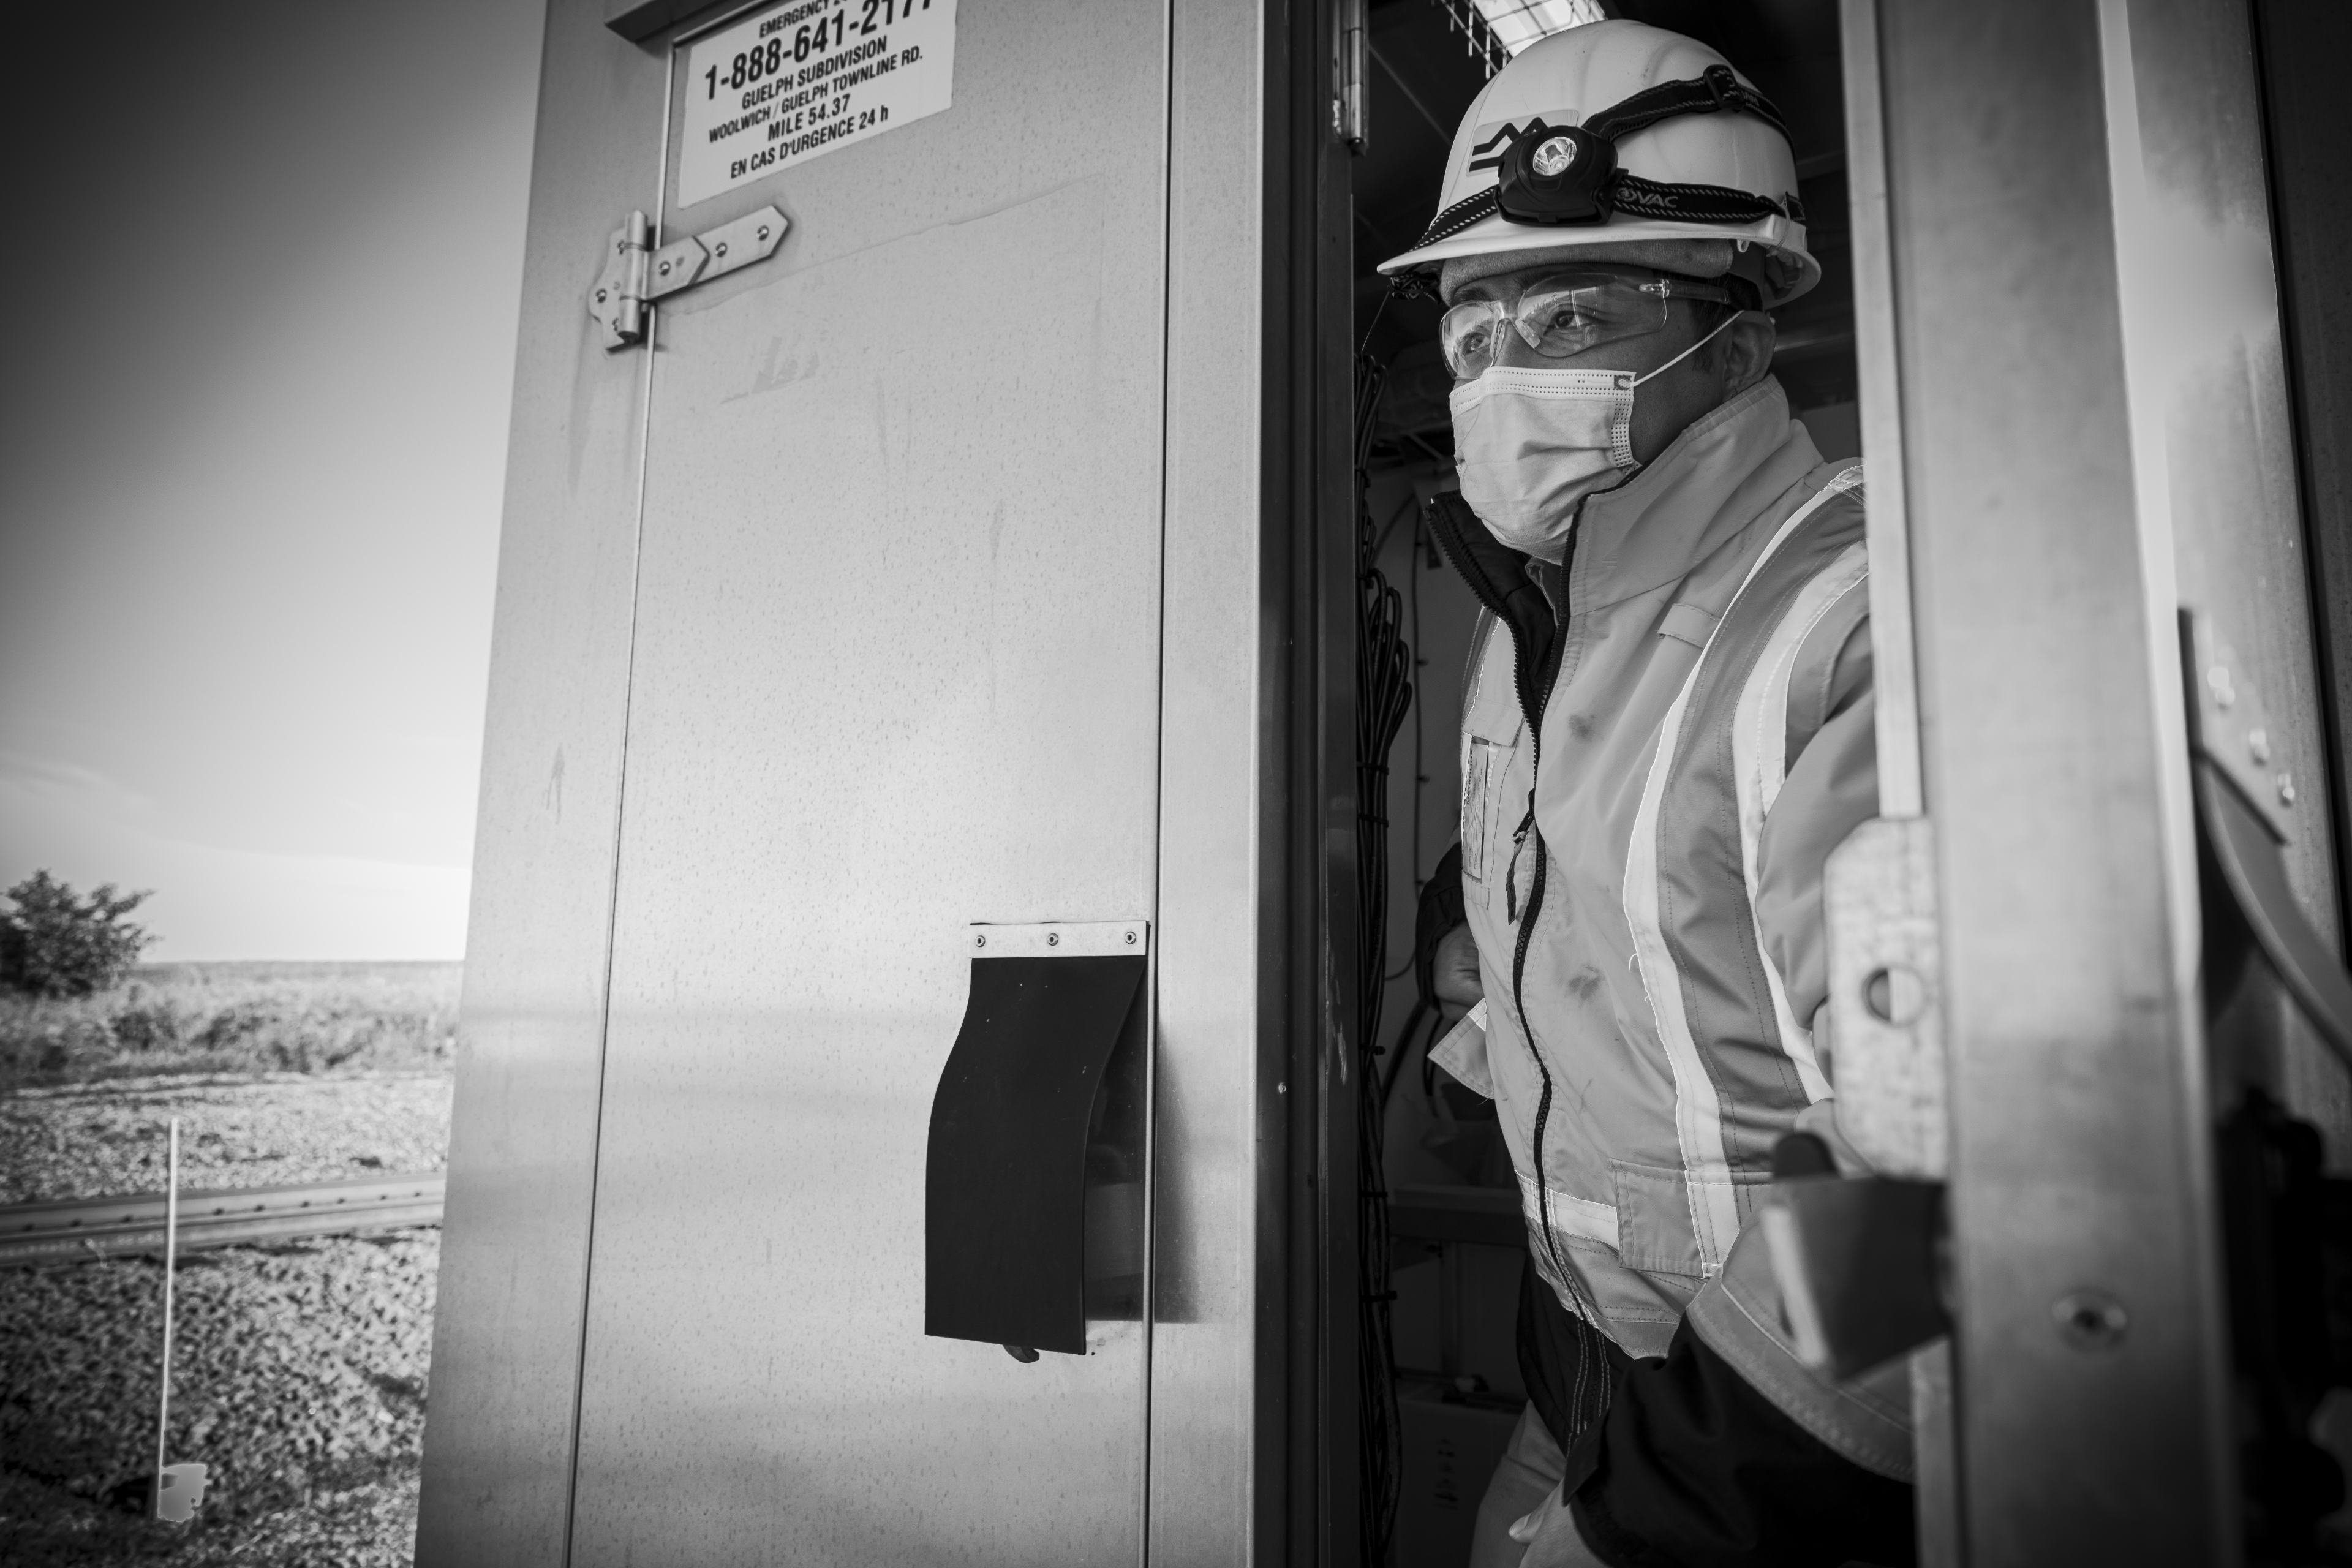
(1530, 444)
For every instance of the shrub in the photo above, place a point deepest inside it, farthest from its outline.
(232, 1018)
(147, 1026)
(56, 943)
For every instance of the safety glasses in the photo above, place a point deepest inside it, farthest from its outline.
(1564, 313)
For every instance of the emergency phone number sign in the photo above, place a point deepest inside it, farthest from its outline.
(798, 79)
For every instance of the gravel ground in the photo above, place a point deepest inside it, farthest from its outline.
(97, 1141)
(299, 1368)
(298, 1376)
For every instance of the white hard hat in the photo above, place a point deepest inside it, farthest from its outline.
(1620, 137)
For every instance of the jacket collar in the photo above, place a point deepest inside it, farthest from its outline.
(1722, 471)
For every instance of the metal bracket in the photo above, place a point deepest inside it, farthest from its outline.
(636, 274)
(1886, 998)
(2244, 796)
(2228, 726)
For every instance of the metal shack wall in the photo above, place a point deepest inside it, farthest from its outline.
(507, 1324)
(2080, 312)
(504, 1436)
(896, 670)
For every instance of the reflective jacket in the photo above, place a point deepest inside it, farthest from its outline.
(1662, 741)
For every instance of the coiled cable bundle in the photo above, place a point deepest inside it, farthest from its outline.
(1383, 695)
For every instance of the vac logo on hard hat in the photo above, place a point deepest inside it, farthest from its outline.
(1494, 137)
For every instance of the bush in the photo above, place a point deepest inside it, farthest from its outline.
(233, 1018)
(56, 943)
(147, 1026)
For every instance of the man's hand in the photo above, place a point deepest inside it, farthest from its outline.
(1455, 967)
(1551, 1536)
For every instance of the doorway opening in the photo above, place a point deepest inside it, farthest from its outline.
(1445, 1252)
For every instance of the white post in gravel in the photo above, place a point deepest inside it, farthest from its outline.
(178, 1488)
(171, 1247)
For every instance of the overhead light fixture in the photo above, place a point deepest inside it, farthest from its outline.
(1519, 23)
(1494, 30)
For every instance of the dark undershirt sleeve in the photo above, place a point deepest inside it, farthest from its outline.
(1694, 1468)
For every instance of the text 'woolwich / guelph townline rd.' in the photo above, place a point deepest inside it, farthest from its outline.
(799, 80)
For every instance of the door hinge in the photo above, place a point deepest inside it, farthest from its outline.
(1886, 1023)
(635, 274)
(1350, 117)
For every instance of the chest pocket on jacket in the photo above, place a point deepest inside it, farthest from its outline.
(1482, 780)
(1491, 726)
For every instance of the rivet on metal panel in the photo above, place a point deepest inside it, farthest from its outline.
(2258, 746)
(2286, 789)
(1130, 939)
(979, 941)
(2090, 1320)
(2217, 680)
(720, 249)
(1053, 939)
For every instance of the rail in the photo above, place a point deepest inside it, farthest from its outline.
(83, 1229)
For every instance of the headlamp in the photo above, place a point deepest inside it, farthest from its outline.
(1559, 175)
(1568, 175)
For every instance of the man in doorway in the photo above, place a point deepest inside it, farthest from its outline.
(1669, 727)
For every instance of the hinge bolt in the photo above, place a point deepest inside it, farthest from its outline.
(2286, 789)
(763, 233)
(2258, 746)
(664, 268)
(722, 248)
(600, 296)
(2217, 680)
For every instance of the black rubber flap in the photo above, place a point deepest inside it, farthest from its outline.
(1005, 1182)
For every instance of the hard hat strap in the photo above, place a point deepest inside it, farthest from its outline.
(1630, 193)
(1586, 186)
(1716, 90)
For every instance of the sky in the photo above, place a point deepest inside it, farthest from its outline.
(253, 420)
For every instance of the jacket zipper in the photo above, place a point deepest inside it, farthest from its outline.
(1532, 701)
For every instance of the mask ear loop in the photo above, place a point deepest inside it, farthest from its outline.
(1691, 350)
(1620, 443)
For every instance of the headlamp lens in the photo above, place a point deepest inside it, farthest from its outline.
(1554, 156)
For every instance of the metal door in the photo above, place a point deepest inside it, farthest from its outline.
(896, 669)
(2076, 418)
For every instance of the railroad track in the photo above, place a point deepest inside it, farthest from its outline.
(80, 1229)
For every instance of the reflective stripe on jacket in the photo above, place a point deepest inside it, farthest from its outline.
(1646, 880)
